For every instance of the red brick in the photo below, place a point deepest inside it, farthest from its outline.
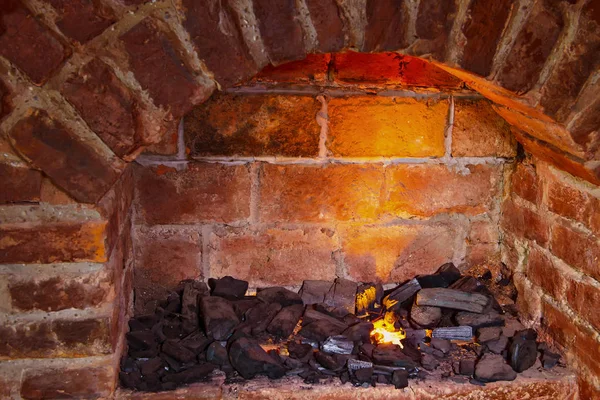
(428, 189)
(167, 144)
(77, 167)
(28, 44)
(595, 215)
(19, 183)
(386, 127)
(542, 272)
(397, 253)
(280, 30)
(478, 131)
(5, 100)
(532, 47)
(47, 242)
(484, 232)
(107, 106)
(434, 22)
(51, 194)
(319, 193)
(311, 69)
(524, 223)
(254, 125)
(58, 338)
(386, 22)
(483, 28)
(577, 249)
(152, 56)
(273, 256)
(567, 201)
(510, 251)
(581, 297)
(202, 193)
(529, 305)
(90, 382)
(326, 18)
(218, 41)
(524, 182)
(82, 20)
(390, 68)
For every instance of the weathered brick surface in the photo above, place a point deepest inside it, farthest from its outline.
(82, 20)
(254, 125)
(524, 182)
(311, 69)
(53, 242)
(73, 164)
(484, 232)
(581, 296)
(386, 25)
(595, 215)
(280, 30)
(28, 44)
(319, 193)
(568, 201)
(483, 28)
(525, 223)
(434, 22)
(386, 127)
(274, 256)
(19, 183)
(107, 106)
(396, 253)
(90, 382)
(218, 41)
(542, 271)
(483, 243)
(58, 338)
(390, 68)
(325, 16)
(152, 56)
(426, 190)
(487, 254)
(5, 101)
(532, 47)
(167, 144)
(201, 193)
(577, 249)
(479, 131)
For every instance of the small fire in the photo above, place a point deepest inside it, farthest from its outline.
(384, 332)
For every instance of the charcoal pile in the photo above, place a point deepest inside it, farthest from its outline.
(446, 323)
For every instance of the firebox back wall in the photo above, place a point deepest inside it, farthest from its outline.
(288, 187)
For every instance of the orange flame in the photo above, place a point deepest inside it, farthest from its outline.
(384, 332)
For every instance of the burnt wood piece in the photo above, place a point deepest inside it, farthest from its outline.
(354, 364)
(431, 350)
(311, 315)
(300, 351)
(151, 365)
(522, 353)
(143, 322)
(242, 306)
(425, 316)
(216, 353)
(471, 284)
(196, 342)
(313, 292)
(363, 375)
(368, 298)
(320, 330)
(391, 354)
(259, 317)
(285, 321)
(279, 295)
(466, 367)
(189, 307)
(492, 367)
(488, 333)
(442, 345)
(477, 321)
(453, 333)
(429, 362)
(328, 361)
(141, 340)
(415, 336)
(342, 294)
(194, 374)
(450, 298)
(549, 359)
(249, 360)
(218, 316)
(402, 293)
(497, 346)
(400, 379)
(445, 276)
(228, 287)
(338, 345)
(173, 348)
(360, 332)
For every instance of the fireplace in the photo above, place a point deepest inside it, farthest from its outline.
(154, 152)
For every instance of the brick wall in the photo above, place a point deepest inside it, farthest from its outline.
(551, 237)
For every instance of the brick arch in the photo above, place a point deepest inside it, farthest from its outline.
(86, 85)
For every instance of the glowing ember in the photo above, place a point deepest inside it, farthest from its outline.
(384, 332)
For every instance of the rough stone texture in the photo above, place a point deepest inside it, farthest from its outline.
(543, 273)
(107, 106)
(280, 30)
(532, 47)
(390, 69)
(386, 25)
(254, 125)
(567, 201)
(5, 100)
(426, 190)
(82, 20)
(152, 56)
(525, 223)
(200, 193)
(524, 182)
(274, 256)
(19, 183)
(577, 249)
(483, 28)
(74, 165)
(315, 193)
(397, 253)
(479, 131)
(28, 44)
(312, 69)
(218, 41)
(434, 22)
(91, 382)
(325, 16)
(386, 127)
(580, 295)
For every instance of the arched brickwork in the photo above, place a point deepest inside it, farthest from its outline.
(86, 85)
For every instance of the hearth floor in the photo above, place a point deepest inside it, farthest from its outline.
(556, 384)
